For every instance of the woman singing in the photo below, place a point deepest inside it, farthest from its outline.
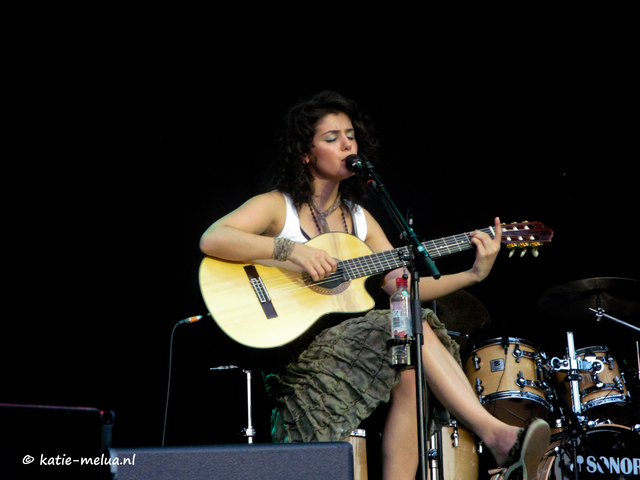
(345, 373)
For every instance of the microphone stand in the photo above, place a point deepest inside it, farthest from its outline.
(417, 255)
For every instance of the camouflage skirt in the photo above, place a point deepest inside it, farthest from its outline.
(340, 379)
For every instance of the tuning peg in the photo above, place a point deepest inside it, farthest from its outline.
(534, 252)
(524, 251)
(511, 253)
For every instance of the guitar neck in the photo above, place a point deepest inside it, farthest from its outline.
(392, 259)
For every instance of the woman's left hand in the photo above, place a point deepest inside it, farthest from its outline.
(486, 251)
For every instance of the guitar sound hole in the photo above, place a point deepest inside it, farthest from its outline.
(334, 283)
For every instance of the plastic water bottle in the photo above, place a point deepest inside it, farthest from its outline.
(400, 322)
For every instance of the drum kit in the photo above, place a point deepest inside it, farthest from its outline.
(587, 397)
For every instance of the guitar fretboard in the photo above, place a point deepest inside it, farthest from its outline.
(392, 259)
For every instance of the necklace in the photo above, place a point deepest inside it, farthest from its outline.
(323, 227)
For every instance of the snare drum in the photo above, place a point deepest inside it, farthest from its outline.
(603, 392)
(613, 454)
(509, 379)
(453, 454)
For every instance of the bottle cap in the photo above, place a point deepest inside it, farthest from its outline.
(401, 282)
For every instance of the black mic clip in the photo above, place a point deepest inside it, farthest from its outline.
(364, 169)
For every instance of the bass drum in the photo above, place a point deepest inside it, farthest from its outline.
(613, 453)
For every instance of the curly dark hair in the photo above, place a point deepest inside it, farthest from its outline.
(294, 140)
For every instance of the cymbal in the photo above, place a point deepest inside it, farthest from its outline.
(462, 312)
(619, 297)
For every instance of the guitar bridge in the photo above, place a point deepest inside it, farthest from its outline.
(261, 291)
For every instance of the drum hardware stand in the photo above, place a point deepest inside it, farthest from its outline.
(600, 314)
(457, 334)
(452, 333)
(638, 359)
(575, 429)
(436, 462)
(249, 432)
(418, 257)
(579, 438)
(572, 366)
(435, 457)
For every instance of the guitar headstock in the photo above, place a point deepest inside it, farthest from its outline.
(525, 235)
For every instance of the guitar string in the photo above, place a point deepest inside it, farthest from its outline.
(368, 264)
(375, 263)
(291, 281)
(361, 266)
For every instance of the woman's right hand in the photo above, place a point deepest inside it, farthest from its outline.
(314, 261)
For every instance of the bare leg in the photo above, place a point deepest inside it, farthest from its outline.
(400, 437)
(449, 384)
(452, 388)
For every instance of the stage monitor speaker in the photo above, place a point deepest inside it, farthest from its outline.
(308, 461)
(38, 441)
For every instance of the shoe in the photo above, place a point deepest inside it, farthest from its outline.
(527, 452)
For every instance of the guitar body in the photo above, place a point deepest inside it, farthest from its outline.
(295, 304)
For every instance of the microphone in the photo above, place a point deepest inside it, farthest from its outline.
(354, 163)
(195, 318)
(363, 169)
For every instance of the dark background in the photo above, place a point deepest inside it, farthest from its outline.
(124, 150)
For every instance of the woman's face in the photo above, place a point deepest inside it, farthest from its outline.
(333, 141)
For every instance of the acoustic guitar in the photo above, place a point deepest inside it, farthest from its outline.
(269, 304)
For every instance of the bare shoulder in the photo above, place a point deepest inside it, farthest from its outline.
(265, 212)
(376, 238)
(267, 200)
(372, 224)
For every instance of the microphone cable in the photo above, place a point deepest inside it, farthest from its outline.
(166, 406)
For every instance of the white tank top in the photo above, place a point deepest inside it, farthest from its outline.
(293, 231)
